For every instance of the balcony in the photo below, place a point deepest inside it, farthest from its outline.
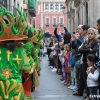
(32, 7)
(61, 25)
(47, 25)
(3, 3)
(54, 25)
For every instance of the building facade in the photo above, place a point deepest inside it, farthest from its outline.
(49, 13)
(25, 10)
(80, 12)
(11, 4)
(24, 5)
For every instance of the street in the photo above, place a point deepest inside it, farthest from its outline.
(50, 86)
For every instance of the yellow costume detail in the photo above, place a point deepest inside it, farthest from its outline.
(6, 72)
(17, 59)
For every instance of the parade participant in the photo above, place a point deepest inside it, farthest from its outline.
(13, 59)
(38, 35)
(27, 76)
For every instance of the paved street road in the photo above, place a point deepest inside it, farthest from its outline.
(50, 86)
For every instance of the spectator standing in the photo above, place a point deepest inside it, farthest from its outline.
(54, 49)
(66, 58)
(92, 79)
(97, 64)
(77, 40)
(71, 65)
(89, 47)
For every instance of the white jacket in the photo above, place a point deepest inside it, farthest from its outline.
(61, 57)
(93, 79)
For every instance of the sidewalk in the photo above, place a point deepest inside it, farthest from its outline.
(50, 86)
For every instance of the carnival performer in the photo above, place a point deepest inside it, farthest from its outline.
(13, 58)
(38, 35)
(30, 78)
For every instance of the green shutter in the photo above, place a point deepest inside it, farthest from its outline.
(32, 4)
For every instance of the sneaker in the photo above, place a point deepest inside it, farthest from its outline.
(73, 88)
(54, 70)
(63, 81)
(70, 86)
(51, 67)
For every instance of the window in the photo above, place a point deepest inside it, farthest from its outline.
(86, 13)
(46, 6)
(14, 3)
(18, 5)
(61, 22)
(56, 6)
(34, 23)
(51, 6)
(47, 22)
(54, 22)
(78, 18)
(61, 6)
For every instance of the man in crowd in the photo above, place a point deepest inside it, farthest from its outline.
(97, 64)
(67, 35)
(83, 76)
(76, 42)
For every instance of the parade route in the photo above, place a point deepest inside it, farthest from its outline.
(50, 86)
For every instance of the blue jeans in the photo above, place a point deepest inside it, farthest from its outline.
(51, 61)
(73, 78)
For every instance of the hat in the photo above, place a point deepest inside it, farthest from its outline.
(85, 27)
(11, 28)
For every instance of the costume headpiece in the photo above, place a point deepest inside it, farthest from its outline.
(12, 28)
(37, 35)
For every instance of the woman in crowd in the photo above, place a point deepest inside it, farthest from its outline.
(89, 47)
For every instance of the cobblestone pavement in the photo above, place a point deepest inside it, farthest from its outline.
(50, 86)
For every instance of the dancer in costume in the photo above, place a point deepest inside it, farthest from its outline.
(13, 59)
(38, 35)
(29, 80)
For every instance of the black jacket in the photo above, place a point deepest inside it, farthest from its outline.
(85, 49)
(67, 36)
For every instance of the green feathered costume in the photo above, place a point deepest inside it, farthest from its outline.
(38, 35)
(12, 63)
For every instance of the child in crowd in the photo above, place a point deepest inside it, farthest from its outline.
(93, 77)
(67, 47)
(61, 56)
(71, 65)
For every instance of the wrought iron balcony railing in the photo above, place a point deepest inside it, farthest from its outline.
(47, 25)
(54, 25)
